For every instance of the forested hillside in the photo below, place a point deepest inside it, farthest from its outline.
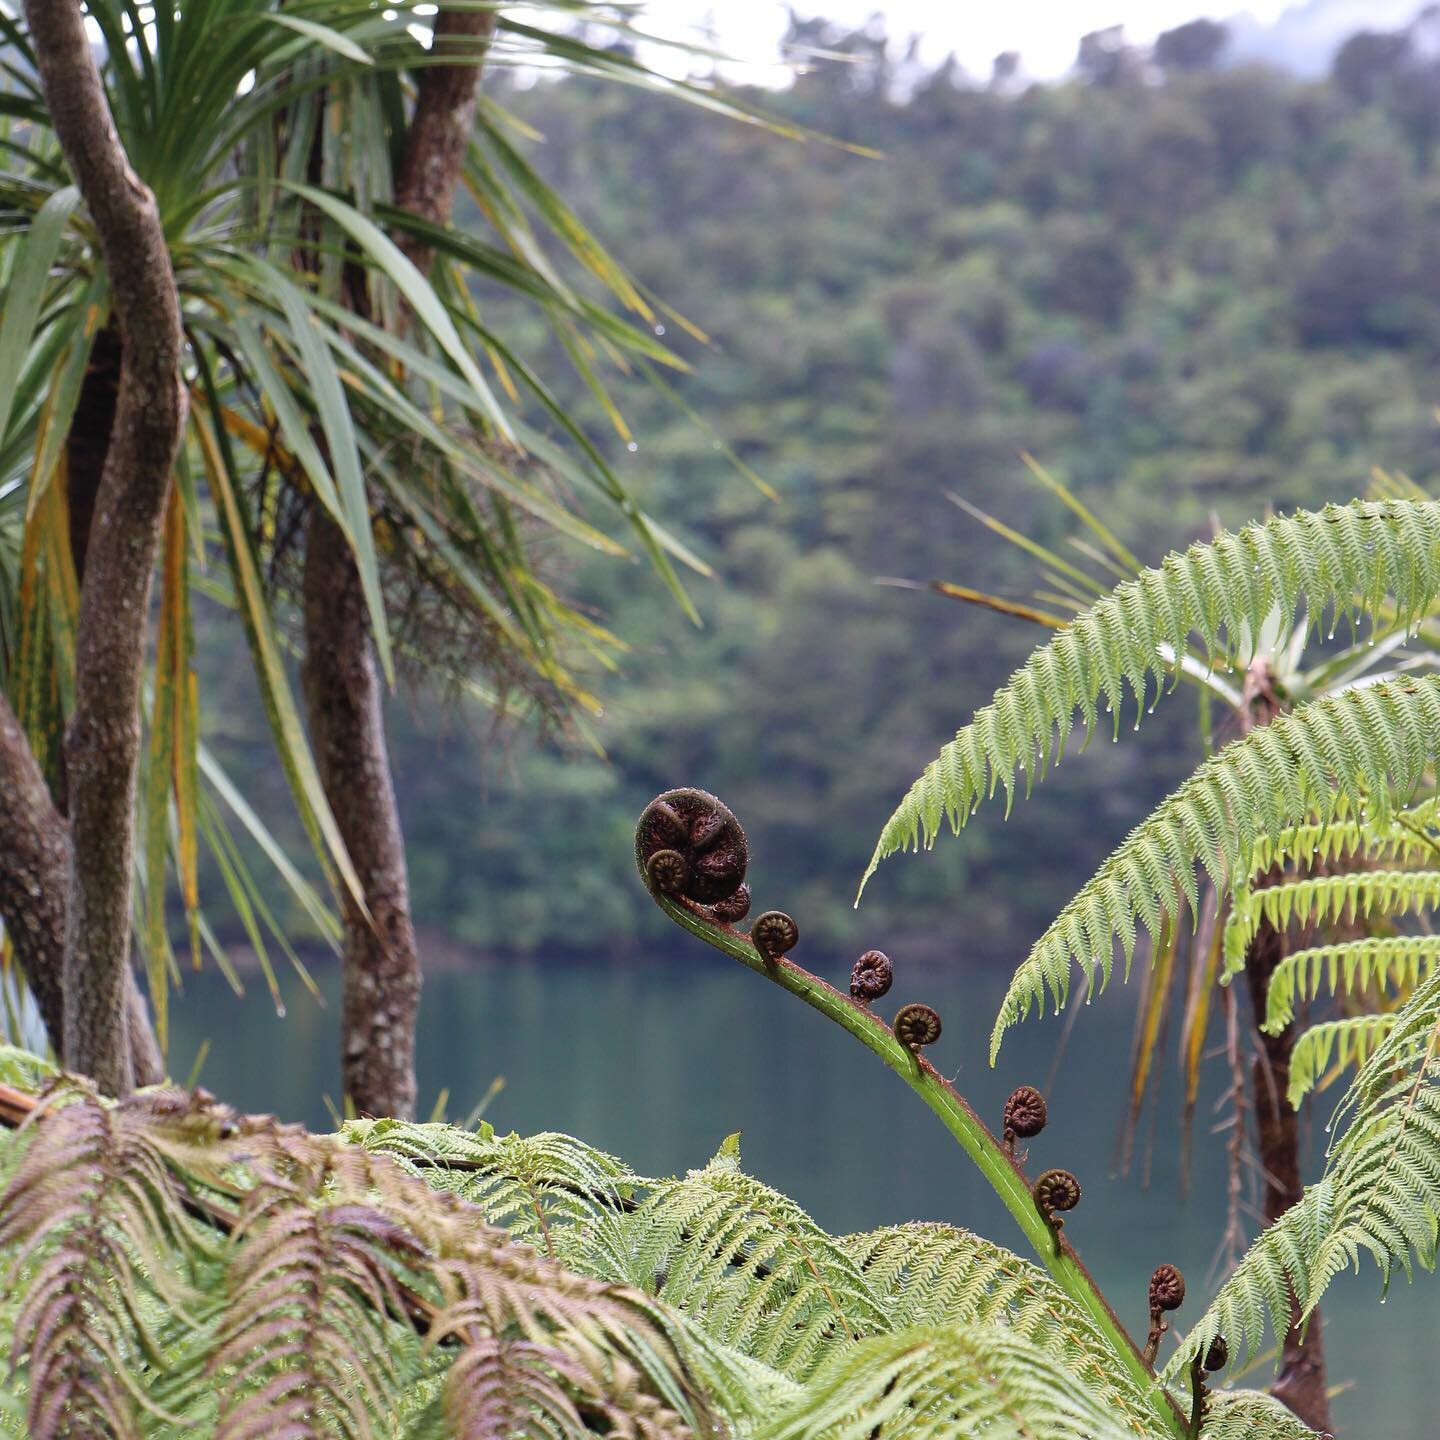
(1192, 290)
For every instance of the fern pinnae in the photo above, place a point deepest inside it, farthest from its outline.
(1349, 1041)
(1391, 962)
(1342, 559)
(938, 1275)
(1362, 747)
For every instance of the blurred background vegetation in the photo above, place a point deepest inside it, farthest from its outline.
(1192, 288)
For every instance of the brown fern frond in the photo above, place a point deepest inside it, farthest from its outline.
(90, 1219)
(304, 1346)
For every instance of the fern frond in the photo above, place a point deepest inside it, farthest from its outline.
(1380, 1195)
(1362, 747)
(303, 1338)
(548, 1190)
(1408, 837)
(1251, 1415)
(1325, 899)
(750, 1268)
(937, 1275)
(1350, 1040)
(92, 1226)
(1389, 962)
(950, 1383)
(1344, 559)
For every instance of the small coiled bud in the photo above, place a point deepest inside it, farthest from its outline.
(1025, 1116)
(706, 841)
(669, 871)
(1054, 1191)
(870, 976)
(1167, 1289)
(916, 1026)
(733, 908)
(1167, 1292)
(774, 934)
(1217, 1356)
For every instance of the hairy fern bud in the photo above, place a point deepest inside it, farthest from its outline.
(1217, 1356)
(870, 976)
(1054, 1191)
(773, 934)
(916, 1026)
(1167, 1288)
(1167, 1292)
(1025, 1116)
(691, 847)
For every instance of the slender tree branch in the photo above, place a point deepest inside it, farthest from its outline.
(441, 125)
(102, 748)
(342, 685)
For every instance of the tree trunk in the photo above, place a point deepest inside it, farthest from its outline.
(1301, 1382)
(343, 698)
(342, 686)
(102, 747)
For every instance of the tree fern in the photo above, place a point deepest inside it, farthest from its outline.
(1380, 1195)
(936, 1275)
(1361, 748)
(951, 1382)
(1342, 560)
(335, 1263)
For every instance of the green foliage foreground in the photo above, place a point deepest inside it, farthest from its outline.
(174, 1266)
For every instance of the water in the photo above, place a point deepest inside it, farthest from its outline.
(659, 1062)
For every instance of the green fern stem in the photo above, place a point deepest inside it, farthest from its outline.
(1002, 1172)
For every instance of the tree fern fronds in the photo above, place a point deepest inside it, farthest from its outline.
(1363, 746)
(1409, 836)
(1391, 962)
(90, 1221)
(1251, 1415)
(1350, 1041)
(951, 1383)
(1342, 559)
(1380, 1195)
(1324, 899)
(937, 1275)
(749, 1267)
(543, 1189)
(303, 1346)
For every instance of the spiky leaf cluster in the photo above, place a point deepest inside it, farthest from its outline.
(1362, 748)
(1380, 1195)
(1342, 560)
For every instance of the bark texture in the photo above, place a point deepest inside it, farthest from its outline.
(343, 698)
(342, 684)
(102, 747)
(1301, 1382)
(441, 125)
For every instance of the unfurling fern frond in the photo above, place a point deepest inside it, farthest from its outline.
(1342, 559)
(936, 1275)
(949, 1383)
(1390, 962)
(1380, 1195)
(1361, 748)
(1351, 1041)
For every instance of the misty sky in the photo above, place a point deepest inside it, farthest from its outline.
(1046, 32)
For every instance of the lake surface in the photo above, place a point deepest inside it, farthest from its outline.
(658, 1062)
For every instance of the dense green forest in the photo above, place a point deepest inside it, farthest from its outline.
(1192, 290)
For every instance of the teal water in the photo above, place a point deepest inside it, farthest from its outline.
(658, 1062)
